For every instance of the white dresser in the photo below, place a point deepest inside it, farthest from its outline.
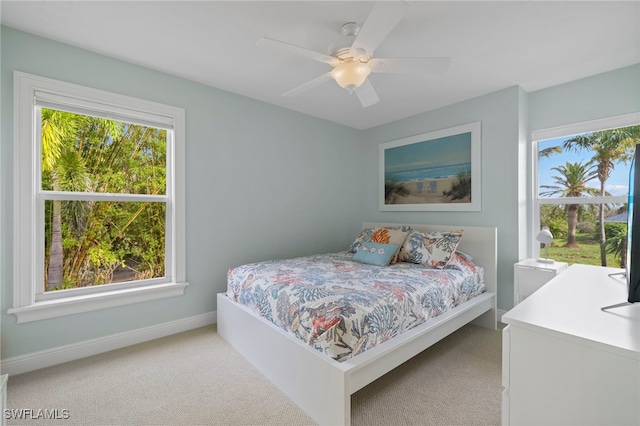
(566, 362)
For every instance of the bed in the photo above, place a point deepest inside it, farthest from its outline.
(321, 382)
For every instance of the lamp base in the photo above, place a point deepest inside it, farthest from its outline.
(544, 260)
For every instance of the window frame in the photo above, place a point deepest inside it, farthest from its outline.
(30, 304)
(625, 120)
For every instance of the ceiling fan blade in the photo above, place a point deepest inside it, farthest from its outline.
(308, 85)
(409, 65)
(383, 18)
(297, 50)
(367, 94)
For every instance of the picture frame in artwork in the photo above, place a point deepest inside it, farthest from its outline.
(434, 171)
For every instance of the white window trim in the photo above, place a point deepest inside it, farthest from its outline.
(562, 131)
(26, 307)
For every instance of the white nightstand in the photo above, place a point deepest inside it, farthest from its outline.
(530, 275)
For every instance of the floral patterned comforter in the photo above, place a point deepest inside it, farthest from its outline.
(341, 307)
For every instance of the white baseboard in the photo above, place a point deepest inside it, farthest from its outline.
(58, 355)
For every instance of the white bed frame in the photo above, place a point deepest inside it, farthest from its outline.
(321, 386)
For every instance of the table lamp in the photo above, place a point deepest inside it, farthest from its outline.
(545, 237)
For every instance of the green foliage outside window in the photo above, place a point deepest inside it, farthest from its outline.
(99, 242)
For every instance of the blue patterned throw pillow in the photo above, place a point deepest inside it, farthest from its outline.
(433, 249)
(375, 253)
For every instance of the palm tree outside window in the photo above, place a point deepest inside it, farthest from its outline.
(581, 192)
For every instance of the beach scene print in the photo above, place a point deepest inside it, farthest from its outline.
(433, 171)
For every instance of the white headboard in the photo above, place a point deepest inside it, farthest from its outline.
(479, 242)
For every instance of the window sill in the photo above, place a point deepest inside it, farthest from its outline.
(75, 305)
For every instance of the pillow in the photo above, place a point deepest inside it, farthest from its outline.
(375, 253)
(367, 233)
(433, 249)
(389, 235)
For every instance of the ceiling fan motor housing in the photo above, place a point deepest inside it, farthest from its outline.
(340, 48)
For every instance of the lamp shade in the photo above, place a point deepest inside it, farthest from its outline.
(350, 74)
(545, 236)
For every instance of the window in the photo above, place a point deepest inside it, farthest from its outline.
(581, 177)
(98, 199)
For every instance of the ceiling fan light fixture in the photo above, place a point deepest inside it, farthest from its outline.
(350, 74)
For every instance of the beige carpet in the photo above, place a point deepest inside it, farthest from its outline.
(196, 378)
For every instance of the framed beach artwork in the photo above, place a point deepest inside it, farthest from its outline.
(435, 171)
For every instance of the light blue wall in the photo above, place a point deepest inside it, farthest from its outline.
(604, 95)
(501, 121)
(262, 182)
(609, 94)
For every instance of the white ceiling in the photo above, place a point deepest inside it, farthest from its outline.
(493, 45)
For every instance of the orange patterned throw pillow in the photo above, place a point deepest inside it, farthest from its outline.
(381, 236)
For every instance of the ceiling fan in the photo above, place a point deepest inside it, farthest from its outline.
(351, 56)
